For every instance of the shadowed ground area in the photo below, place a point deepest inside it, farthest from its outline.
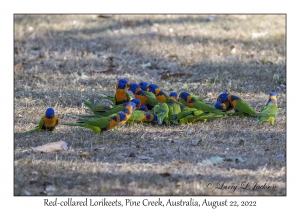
(61, 59)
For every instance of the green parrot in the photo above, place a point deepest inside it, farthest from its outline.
(159, 95)
(97, 107)
(182, 101)
(174, 107)
(238, 104)
(270, 111)
(98, 125)
(121, 95)
(200, 105)
(47, 123)
(111, 111)
(161, 110)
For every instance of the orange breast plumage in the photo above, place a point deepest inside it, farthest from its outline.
(50, 123)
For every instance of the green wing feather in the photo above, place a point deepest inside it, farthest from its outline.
(151, 99)
(95, 107)
(111, 111)
(149, 94)
(161, 110)
(174, 109)
(198, 98)
(243, 107)
(207, 108)
(94, 124)
(32, 130)
(182, 101)
(41, 123)
(110, 98)
(190, 115)
(88, 104)
(103, 113)
(136, 116)
(38, 127)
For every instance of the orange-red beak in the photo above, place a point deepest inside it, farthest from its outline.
(223, 106)
(128, 85)
(172, 97)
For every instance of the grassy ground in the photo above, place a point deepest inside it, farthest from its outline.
(60, 59)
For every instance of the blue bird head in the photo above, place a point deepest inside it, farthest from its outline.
(274, 95)
(173, 94)
(218, 105)
(133, 87)
(137, 102)
(184, 95)
(223, 97)
(144, 108)
(144, 85)
(152, 88)
(273, 98)
(50, 113)
(123, 83)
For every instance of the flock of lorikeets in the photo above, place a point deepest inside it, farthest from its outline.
(152, 105)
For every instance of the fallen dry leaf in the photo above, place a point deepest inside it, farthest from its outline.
(84, 154)
(128, 22)
(105, 16)
(51, 147)
(179, 162)
(18, 66)
(166, 76)
(110, 70)
(165, 174)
